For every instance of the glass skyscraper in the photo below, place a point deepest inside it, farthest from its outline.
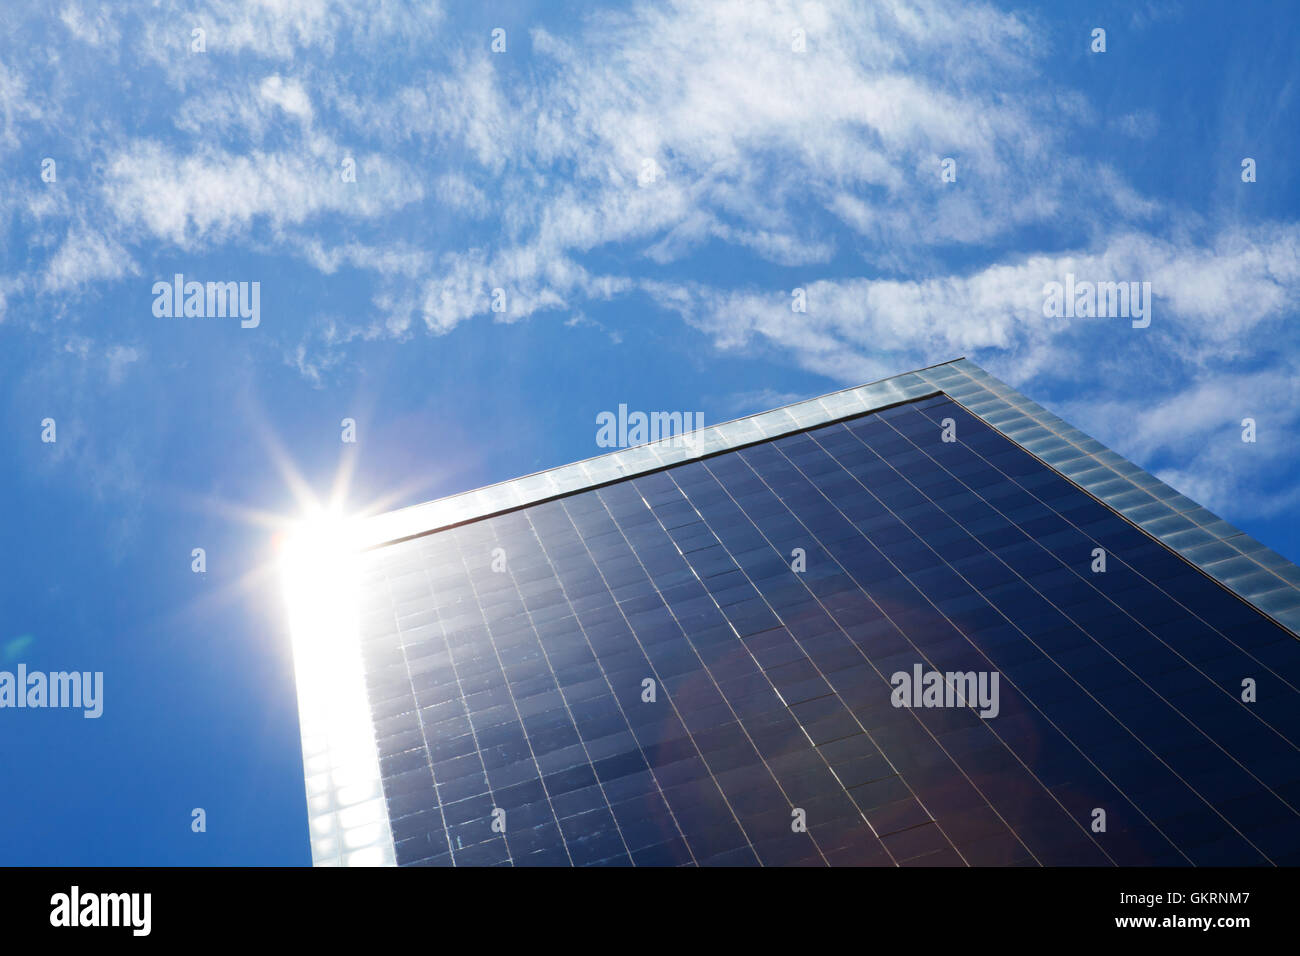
(923, 622)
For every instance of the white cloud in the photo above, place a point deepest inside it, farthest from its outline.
(119, 357)
(458, 193)
(17, 104)
(1191, 435)
(1206, 302)
(753, 143)
(215, 194)
(393, 259)
(281, 29)
(92, 26)
(86, 257)
(289, 95)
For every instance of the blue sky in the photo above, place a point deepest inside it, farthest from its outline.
(526, 171)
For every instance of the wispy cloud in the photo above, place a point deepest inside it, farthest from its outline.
(217, 195)
(86, 257)
(801, 144)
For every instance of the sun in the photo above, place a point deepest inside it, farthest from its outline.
(309, 576)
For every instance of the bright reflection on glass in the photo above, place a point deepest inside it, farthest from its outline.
(319, 565)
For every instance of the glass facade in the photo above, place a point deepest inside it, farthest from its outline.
(697, 664)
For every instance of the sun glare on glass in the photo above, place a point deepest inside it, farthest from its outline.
(320, 566)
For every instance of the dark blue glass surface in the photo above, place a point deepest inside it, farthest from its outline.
(766, 595)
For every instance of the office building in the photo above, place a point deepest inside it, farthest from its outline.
(923, 622)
